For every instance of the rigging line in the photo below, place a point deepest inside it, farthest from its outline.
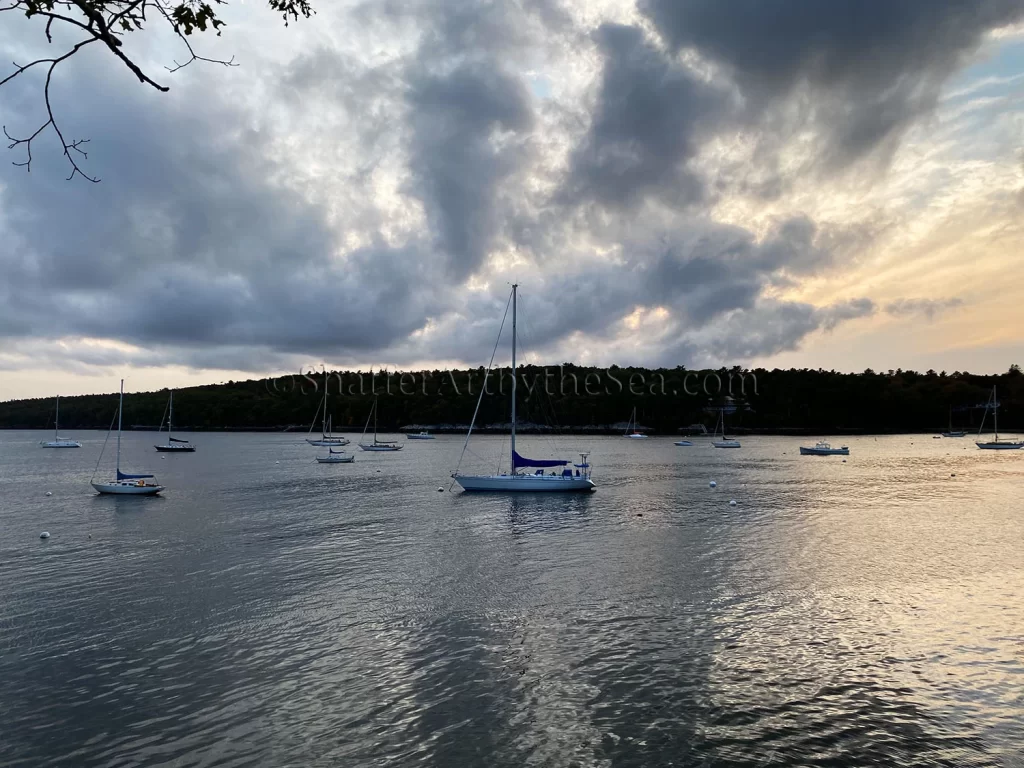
(164, 417)
(96, 468)
(483, 387)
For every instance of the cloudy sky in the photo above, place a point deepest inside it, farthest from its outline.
(793, 183)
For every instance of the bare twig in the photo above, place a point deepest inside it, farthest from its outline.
(68, 147)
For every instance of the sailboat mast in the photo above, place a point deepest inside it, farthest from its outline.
(995, 414)
(513, 453)
(170, 416)
(120, 409)
(323, 423)
(56, 420)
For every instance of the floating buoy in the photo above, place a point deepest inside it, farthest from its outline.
(440, 489)
(844, 461)
(49, 494)
(712, 484)
(90, 535)
(44, 535)
(952, 474)
(277, 462)
(732, 502)
(639, 514)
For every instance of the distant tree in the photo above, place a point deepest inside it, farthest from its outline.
(107, 22)
(1014, 370)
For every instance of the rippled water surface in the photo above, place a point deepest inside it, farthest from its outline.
(269, 610)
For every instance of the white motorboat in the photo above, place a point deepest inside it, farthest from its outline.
(633, 434)
(996, 443)
(419, 436)
(822, 448)
(58, 441)
(326, 439)
(723, 441)
(575, 479)
(381, 446)
(173, 444)
(124, 484)
(683, 442)
(336, 457)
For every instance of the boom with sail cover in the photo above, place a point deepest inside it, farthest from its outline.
(519, 461)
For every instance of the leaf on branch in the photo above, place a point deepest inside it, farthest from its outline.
(292, 8)
(192, 15)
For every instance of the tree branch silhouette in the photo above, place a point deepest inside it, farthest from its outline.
(106, 22)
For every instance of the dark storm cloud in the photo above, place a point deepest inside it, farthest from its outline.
(192, 243)
(871, 66)
(208, 243)
(651, 115)
(459, 157)
(927, 308)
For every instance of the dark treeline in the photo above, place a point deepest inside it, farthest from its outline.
(566, 397)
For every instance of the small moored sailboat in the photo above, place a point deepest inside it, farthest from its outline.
(953, 432)
(173, 444)
(419, 436)
(996, 443)
(124, 483)
(723, 442)
(326, 438)
(634, 434)
(336, 457)
(58, 441)
(377, 445)
(514, 480)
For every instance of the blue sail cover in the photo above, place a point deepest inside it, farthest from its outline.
(123, 476)
(519, 461)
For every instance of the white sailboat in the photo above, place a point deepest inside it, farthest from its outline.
(58, 441)
(326, 438)
(377, 445)
(173, 444)
(723, 442)
(419, 436)
(336, 457)
(995, 444)
(953, 432)
(514, 480)
(123, 483)
(633, 434)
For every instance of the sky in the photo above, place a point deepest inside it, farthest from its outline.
(671, 182)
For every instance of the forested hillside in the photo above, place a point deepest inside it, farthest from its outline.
(566, 397)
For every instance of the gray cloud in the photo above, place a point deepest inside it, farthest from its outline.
(251, 236)
(928, 308)
(867, 68)
(650, 117)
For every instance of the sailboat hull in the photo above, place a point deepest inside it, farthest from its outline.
(380, 448)
(335, 459)
(1000, 446)
(420, 437)
(726, 443)
(175, 448)
(125, 488)
(524, 483)
(62, 444)
(328, 442)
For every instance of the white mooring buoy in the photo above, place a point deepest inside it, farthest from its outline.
(440, 489)
(712, 484)
(732, 502)
(44, 535)
(49, 494)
